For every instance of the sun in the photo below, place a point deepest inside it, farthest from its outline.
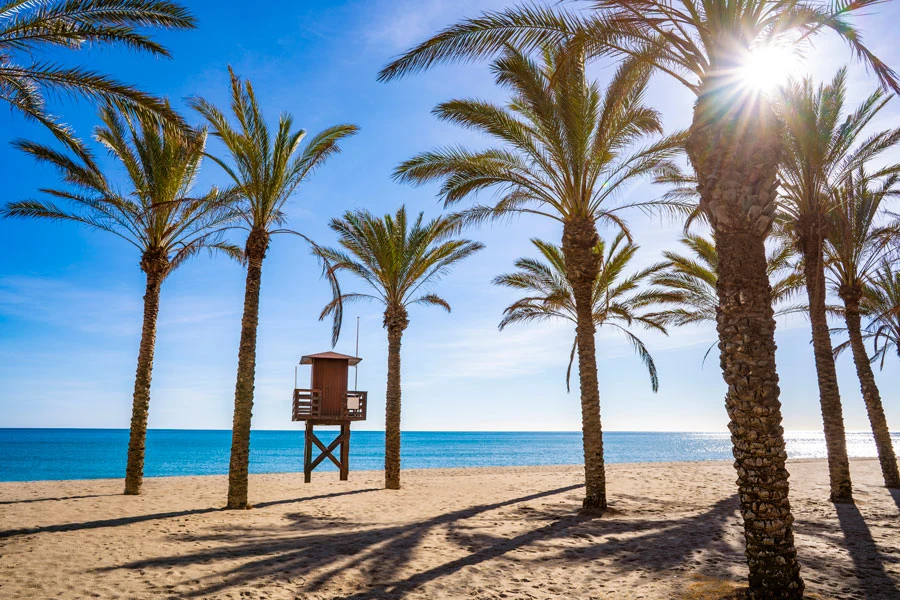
(767, 67)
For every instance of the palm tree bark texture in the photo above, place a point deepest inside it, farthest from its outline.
(257, 245)
(396, 321)
(155, 266)
(871, 396)
(811, 241)
(736, 165)
(582, 266)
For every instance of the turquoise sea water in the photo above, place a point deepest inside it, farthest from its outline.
(36, 454)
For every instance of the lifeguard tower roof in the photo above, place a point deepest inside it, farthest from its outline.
(308, 359)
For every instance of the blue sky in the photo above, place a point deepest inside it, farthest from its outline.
(70, 299)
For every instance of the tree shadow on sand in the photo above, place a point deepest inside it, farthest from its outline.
(868, 563)
(60, 498)
(377, 555)
(99, 524)
(873, 582)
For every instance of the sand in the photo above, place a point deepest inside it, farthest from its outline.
(456, 533)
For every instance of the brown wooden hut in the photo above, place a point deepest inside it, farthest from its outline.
(327, 401)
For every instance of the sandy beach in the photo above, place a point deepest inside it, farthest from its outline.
(456, 533)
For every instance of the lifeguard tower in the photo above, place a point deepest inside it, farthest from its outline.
(328, 402)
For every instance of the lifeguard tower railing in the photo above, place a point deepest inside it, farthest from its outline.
(308, 405)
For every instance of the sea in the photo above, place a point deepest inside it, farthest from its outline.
(52, 454)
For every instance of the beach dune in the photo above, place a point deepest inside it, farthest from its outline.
(454, 533)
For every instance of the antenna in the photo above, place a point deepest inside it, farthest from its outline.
(356, 366)
(295, 377)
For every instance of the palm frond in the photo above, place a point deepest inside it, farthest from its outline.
(618, 301)
(157, 211)
(28, 29)
(397, 256)
(265, 166)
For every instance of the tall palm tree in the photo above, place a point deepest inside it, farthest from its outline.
(689, 282)
(157, 212)
(398, 260)
(565, 152)
(856, 246)
(617, 301)
(266, 168)
(822, 146)
(734, 146)
(29, 29)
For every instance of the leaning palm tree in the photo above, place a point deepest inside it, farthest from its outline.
(266, 168)
(29, 29)
(617, 302)
(689, 282)
(158, 213)
(398, 260)
(856, 246)
(822, 147)
(566, 150)
(734, 146)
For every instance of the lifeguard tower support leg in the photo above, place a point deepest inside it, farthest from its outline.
(307, 453)
(342, 440)
(345, 451)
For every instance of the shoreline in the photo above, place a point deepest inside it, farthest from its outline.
(435, 470)
(674, 532)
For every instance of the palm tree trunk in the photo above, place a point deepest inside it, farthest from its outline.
(582, 265)
(396, 321)
(134, 471)
(257, 245)
(736, 166)
(871, 395)
(811, 242)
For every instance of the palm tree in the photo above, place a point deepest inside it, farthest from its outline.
(689, 282)
(734, 146)
(157, 213)
(398, 260)
(822, 147)
(563, 154)
(266, 170)
(29, 29)
(617, 303)
(855, 248)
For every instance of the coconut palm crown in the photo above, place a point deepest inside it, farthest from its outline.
(265, 167)
(618, 302)
(29, 29)
(158, 213)
(399, 259)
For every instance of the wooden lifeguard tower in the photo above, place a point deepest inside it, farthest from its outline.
(328, 402)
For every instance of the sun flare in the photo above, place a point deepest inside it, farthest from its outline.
(768, 67)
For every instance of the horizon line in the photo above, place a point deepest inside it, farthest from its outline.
(299, 430)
